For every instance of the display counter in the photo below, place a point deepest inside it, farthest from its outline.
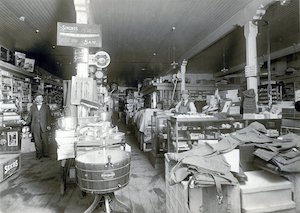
(186, 131)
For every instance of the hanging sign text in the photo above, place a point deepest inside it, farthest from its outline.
(78, 35)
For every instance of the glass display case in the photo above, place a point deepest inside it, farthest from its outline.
(159, 139)
(187, 131)
(159, 134)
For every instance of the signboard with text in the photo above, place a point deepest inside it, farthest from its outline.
(81, 88)
(78, 35)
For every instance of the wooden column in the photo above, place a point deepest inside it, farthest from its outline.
(82, 67)
(182, 72)
(250, 33)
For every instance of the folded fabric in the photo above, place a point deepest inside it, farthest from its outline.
(202, 150)
(291, 137)
(254, 125)
(249, 103)
(265, 154)
(291, 153)
(226, 144)
(178, 174)
(251, 136)
(291, 167)
(214, 164)
(207, 179)
(285, 161)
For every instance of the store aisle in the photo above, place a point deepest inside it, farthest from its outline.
(36, 187)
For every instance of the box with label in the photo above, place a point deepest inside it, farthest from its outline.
(9, 165)
(10, 140)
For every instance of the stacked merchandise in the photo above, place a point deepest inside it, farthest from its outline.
(134, 101)
(205, 165)
(65, 140)
(143, 122)
(130, 108)
(10, 140)
(26, 95)
(87, 135)
(9, 112)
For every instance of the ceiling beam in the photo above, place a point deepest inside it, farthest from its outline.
(239, 19)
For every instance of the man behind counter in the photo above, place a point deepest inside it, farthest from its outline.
(185, 106)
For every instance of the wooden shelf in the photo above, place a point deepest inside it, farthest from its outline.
(191, 87)
(15, 70)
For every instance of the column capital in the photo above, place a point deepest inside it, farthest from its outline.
(250, 29)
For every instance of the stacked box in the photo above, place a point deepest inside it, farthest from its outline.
(9, 165)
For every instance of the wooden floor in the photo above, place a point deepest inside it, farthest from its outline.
(36, 187)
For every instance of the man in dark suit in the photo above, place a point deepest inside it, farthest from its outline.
(39, 119)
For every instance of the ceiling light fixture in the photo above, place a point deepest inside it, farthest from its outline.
(37, 31)
(154, 54)
(22, 18)
(174, 64)
(284, 2)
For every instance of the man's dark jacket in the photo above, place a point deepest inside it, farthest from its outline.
(40, 117)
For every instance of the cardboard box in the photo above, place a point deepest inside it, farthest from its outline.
(9, 165)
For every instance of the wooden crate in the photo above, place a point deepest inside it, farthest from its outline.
(9, 165)
(266, 192)
(182, 199)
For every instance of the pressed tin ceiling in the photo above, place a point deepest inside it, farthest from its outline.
(142, 37)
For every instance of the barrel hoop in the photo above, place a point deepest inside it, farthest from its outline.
(102, 191)
(85, 170)
(89, 180)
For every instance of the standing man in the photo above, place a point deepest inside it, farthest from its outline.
(185, 105)
(40, 119)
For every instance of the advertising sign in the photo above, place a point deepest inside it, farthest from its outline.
(101, 59)
(9, 165)
(20, 59)
(29, 65)
(81, 88)
(78, 35)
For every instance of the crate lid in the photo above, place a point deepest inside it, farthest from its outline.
(259, 181)
(6, 157)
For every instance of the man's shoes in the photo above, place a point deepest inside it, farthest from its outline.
(45, 155)
(38, 157)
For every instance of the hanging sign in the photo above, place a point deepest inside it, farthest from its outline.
(78, 35)
(101, 59)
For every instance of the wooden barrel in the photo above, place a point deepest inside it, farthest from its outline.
(102, 171)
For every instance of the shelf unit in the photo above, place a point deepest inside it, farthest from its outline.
(53, 94)
(15, 93)
(185, 132)
(197, 91)
(263, 93)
